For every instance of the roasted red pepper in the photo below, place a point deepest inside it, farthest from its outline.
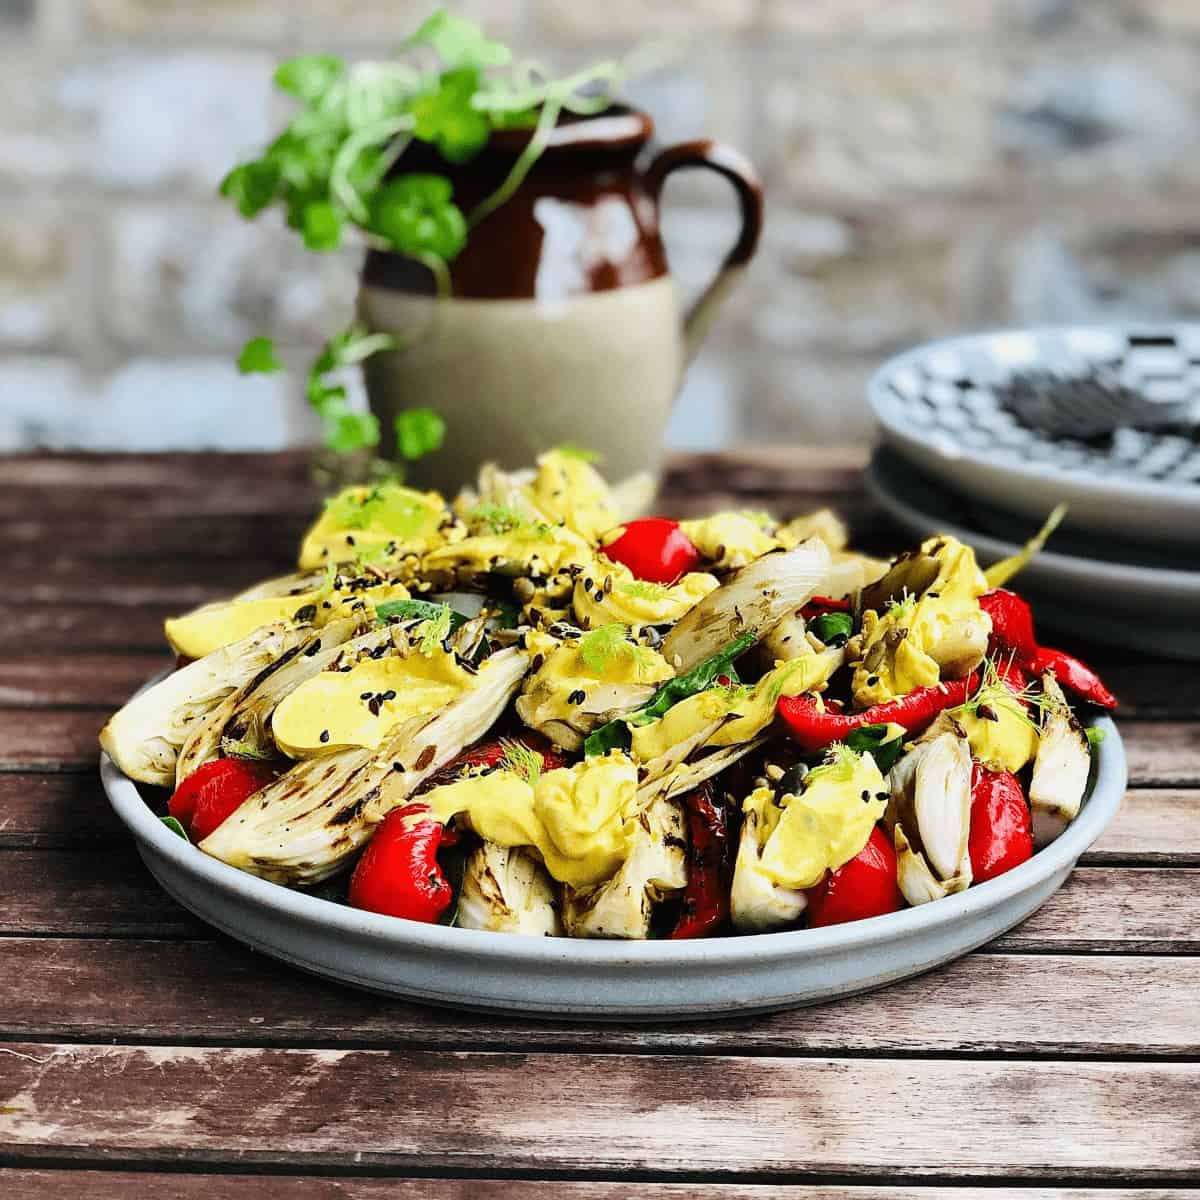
(1012, 626)
(214, 792)
(1074, 675)
(1001, 834)
(824, 604)
(813, 729)
(866, 886)
(654, 549)
(491, 753)
(398, 874)
(1013, 636)
(706, 896)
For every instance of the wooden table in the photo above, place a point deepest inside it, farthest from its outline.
(141, 1055)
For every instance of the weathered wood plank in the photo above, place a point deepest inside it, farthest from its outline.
(100, 679)
(1163, 753)
(152, 1185)
(82, 892)
(169, 582)
(50, 739)
(217, 992)
(66, 627)
(133, 535)
(1152, 826)
(694, 1114)
(1134, 910)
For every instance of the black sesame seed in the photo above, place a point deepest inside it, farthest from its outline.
(866, 795)
(324, 735)
(872, 680)
(577, 697)
(388, 695)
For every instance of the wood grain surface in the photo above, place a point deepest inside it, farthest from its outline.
(143, 1056)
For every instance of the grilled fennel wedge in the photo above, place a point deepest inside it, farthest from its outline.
(145, 737)
(754, 600)
(306, 825)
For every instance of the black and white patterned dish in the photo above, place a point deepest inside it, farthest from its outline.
(949, 407)
(1147, 608)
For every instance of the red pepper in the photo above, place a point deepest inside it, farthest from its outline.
(213, 792)
(1012, 626)
(824, 604)
(813, 729)
(866, 886)
(654, 549)
(706, 896)
(1001, 835)
(1078, 677)
(491, 752)
(398, 874)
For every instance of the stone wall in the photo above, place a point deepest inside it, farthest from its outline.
(932, 165)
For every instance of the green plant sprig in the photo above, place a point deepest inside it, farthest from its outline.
(331, 171)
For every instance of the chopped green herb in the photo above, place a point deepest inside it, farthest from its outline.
(1095, 735)
(501, 519)
(643, 589)
(884, 748)
(423, 610)
(522, 761)
(432, 632)
(233, 748)
(832, 628)
(175, 827)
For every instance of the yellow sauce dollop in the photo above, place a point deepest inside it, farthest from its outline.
(607, 592)
(582, 820)
(364, 520)
(730, 539)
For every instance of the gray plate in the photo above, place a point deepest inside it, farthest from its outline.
(1093, 598)
(943, 407)
(618, 981)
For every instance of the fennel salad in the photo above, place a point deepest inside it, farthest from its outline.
(532, 709)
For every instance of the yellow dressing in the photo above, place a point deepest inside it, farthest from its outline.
(362, 520)
(572, 493)
(1008, 742)
(634, 602)
(899, 647)
(328, 712)
(826, 825)
(530, 549)
(730, 539)
(749, 710)
(582, 820)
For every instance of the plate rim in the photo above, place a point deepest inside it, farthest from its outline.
(880, 398)
(1098, 810)
(1074, 565)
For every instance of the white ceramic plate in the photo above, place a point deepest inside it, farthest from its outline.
(1144, 608)
(593, 980)
(941, 406)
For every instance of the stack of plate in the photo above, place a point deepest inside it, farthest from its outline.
(964, 454)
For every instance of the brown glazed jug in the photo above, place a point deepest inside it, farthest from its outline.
(563, 323)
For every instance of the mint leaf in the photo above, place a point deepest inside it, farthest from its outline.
(419, 431)
(322, 226)
(258, 357)
(310, 76)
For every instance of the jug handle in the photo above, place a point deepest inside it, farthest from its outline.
(734, 166)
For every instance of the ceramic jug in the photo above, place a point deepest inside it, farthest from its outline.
(563, 323)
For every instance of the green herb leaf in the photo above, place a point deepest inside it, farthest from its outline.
(419, 431)
(501, 519)
(310, 76)
(416, 216)
(174, 826)
(258, 357)
(884, 748)
(447, 119)
(459, 43)
(434, 631)
(832, 628)
(1095, 736)
(613, 736)
(424, 610)
(251, 186)
(234, 748)
(322, 226)
(346, 430)
(601, 646)
(643, 589)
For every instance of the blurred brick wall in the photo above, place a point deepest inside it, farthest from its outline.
(932, 165)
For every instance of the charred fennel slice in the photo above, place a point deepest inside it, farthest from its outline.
(756, 599)
(306, 825)
(145, 737)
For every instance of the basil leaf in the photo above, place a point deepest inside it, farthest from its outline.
(874, 739)
(615, 735)
(174, 826)
(832, 628)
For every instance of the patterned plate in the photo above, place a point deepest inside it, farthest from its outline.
(946, 406)
(1147, 608)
